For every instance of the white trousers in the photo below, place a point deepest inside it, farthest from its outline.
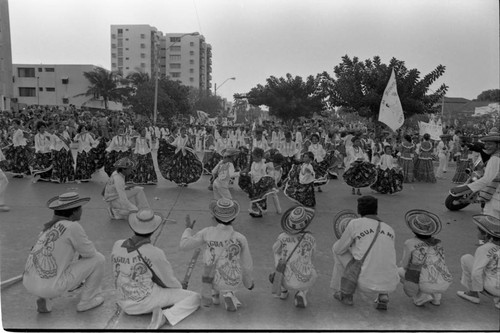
(221, 191)
(443, 161)
(467, 262)
(136, 196)
(3, 187)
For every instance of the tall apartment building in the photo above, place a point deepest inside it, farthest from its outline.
(181, 56)
(135, 48)
(6, 87)
(54, 85)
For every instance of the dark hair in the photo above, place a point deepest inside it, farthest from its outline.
(315, 135)
(310, 154)
(259, 152)
(66, 212)
(226, 223)
(419, 236)
(39, 124)
(278, 159)
(367, 205)
(144, 235)
(427, 136)
(407, 138)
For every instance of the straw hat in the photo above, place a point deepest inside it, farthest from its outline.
(145, 221)
(423, 222)
(224, 209)
(341, 220)
(296, 219)
(67, 200)
(488, 223)
(124, 163)
(492, 136)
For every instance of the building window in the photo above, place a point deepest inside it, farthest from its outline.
(191, 70)
(143, 55)
(191, 43)
(120, 61)
(113, 55)
(113, 46)
(175, 74)
(126, 39)
(143, 46)
(50, 69)
(143, 65)
(191, 52)
(40, 69)
(176, 48)
(50, 89)
(27, 92)
(175, 57)
(65, 80)
(126, 58)
(143, 36)
(120, 42)
(25, 72)
(113, 36)
(191, 61)
(120, 31)
(40, 89)
(191, 79)
(175, 39)
(175, 66)
(65, 100)
(120, 52)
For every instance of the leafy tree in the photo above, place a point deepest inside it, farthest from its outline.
(492, 95)
(205, 101)
(287, 98)
(359, 86)
(173, 98)
(105, 85)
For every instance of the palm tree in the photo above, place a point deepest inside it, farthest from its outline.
(104, 85)
(137, 78)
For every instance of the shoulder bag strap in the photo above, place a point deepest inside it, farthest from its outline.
(373, 241)
(303, 235)
(155, 278)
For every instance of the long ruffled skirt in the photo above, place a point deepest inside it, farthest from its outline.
(112, 157)
(257, 192)
(302, 194)
(99, 154)
(64, 167)
(388, 181)
(43, 166)
(177, 167)
(360, 174)
(210, 160)
(85, 166)
(424, 171)
(407, 166)
(18, 160)
(145, 173)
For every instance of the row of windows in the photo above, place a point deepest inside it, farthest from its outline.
(31, 91)
(120, 64)
(30, 72)
(120, 45)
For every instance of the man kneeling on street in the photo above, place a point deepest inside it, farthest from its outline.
(51, 269)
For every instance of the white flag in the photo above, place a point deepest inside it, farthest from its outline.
(391, 111)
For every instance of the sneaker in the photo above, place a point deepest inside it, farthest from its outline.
(89, 304)
(382, 301)
(422, 299)
(215, 299)
(359, 192)
(157, 319)
(4, 208)
(465, 295)
(284, 294)
(346, 299)
(229, 302)
(300, 300)
(43, 306)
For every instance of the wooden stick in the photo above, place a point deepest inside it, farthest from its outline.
(191, 265)
(9, 282)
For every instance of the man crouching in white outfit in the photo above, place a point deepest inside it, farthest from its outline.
(51, 269)
(145, 279)
(122, 199)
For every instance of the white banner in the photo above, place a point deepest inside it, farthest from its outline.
(434, 130)
(391, 111)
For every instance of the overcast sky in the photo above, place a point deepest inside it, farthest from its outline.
(254, 39)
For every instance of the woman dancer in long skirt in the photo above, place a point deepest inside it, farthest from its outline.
(406, 159)
(63, 170)
(85, 164)
(424, 169)
(42, 170)
(144, 172)
(299, 186)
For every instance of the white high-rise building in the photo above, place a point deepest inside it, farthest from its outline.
(6, 87)
(185, 57)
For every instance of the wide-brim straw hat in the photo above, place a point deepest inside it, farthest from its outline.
(341, 220)
(423, 222)
(297, 219)
(231, 152)
(145, 221)
(224, 209)
(488, 223)
(67, 200)
(492, 136)
(124, 163)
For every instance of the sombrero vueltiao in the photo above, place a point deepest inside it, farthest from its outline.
(488, 223)
(423, 222)
(124, 163)
(493, 136)
(145, 221)
(224, 209)
(341, 220)
(296, 219)
(67, 200)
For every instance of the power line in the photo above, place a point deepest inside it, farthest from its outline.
(197, 17)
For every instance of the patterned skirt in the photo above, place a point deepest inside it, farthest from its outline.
(210, 160)
(334, 163)
(257, 192)
(242, 160)
(178, 167)
(360, 174)
(144, 173)
(321, 172)
(19, 160)
(43, 166)
(99, 154)
(64, 166)
(460, 176)
(388, 181)
(407, 166)
(85, 166)
(424, 171)
(112, 157)
(302, 194)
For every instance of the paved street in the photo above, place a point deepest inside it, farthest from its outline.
(260, 309)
